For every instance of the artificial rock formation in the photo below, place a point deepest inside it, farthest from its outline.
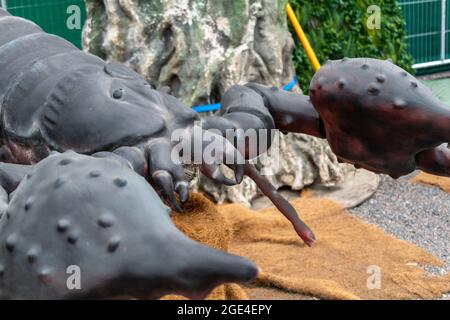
(201, 48)
(91, 106)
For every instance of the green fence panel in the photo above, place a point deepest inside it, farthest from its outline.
(51, 15)
(423, 21)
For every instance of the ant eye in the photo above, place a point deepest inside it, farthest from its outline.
(117, 94)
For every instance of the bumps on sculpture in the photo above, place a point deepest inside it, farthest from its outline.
(120, 182)
(33, 254)
(106, 220)
(122, 239)
(11, 242)
(381, 78)
(95, 174)
(63, 225)
(59, 182)
(113, 243)
(64, 162)
(73, 237)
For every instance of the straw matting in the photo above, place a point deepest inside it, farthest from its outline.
(339, 265)
(426, 178)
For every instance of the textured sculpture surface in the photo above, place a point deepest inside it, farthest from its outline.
(97, 215)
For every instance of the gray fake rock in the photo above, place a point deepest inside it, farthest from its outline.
(199, 49)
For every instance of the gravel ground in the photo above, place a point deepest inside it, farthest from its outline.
(417, 213)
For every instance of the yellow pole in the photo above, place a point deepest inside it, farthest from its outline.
(301, 35)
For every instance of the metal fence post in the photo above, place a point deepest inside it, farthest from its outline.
(3, 4)
(443, 29)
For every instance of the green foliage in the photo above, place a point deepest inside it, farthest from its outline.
(338, 28)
